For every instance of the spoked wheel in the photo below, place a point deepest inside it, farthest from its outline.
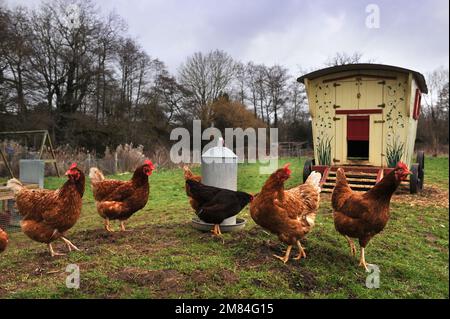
(421, 168)
(414, 179)
(307, 169)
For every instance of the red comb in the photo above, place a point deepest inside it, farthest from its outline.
(402, 165)
(74, 165)
(286, 168)
(149, 163)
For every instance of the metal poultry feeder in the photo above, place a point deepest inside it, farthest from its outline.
(219, 169)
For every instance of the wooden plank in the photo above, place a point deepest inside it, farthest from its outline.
(6, 197)
(53, 154)
(355, 112)
(23, 132)
(355, 179)
(5, 160)
(351, 185)
(7, 194)
(359, 75)
(42, 145)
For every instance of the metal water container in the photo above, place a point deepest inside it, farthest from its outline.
(219, 169)
(32, 171)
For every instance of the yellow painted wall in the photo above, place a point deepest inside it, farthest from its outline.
(359, 93)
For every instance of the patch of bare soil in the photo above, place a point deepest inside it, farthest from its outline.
(430, 196)
(164, 282)
(145, 239)
(221, 276)
(302, 280)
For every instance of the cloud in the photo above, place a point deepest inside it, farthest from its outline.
(413, 33)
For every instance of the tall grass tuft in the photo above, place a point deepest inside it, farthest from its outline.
(394, 153)
(324, 150)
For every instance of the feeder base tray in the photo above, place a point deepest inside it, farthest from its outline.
(202, 226)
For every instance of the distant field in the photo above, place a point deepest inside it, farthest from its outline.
(163, 256)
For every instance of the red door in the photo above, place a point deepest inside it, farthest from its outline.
(358, 128)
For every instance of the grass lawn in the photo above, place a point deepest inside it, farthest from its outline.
(163, 256)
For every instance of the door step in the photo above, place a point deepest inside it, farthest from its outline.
(359, 178)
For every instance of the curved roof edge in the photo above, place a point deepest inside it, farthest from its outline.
(420, 79)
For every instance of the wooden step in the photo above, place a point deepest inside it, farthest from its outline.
(356, 175)
(356, 186)
(354, 179)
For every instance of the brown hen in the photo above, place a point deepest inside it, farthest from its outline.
(289, 214)
(48, 214)
(189, 176)
(118, 200)
(363, 215)
(3, 240)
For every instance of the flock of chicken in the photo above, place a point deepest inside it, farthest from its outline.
(288, 213)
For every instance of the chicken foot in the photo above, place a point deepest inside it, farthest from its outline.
(108, 226)
(362, 260)
(122, 226)
(53, 253)
(69, 244)
(286, 256)
(352, 246)
(301, 251)
(216, 230)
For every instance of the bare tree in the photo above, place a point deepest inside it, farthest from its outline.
(296, 106)
(240, 82)
(15, 53)
(435, 106)
(207, 77)
(342, 58)
(276, 82)
(107, 44)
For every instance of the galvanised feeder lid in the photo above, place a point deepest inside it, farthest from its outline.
(219, 151)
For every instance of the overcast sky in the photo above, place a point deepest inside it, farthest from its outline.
(412, 33)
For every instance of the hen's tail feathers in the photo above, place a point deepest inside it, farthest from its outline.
(15, 185)
(188, 175)
(96, 175)
(340, 177)
(311, 219)
(314, 180)
(187, 172)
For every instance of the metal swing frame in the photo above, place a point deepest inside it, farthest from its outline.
(46, 139)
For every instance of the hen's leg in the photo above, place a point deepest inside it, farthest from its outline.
(122, 225)
(69, 245)
(214, 230)
(52, 252)
(286, 256)
(362, 260)
(108, 226)
(301, 251)
(352, 246)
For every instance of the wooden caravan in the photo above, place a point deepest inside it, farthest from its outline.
(364, 119)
